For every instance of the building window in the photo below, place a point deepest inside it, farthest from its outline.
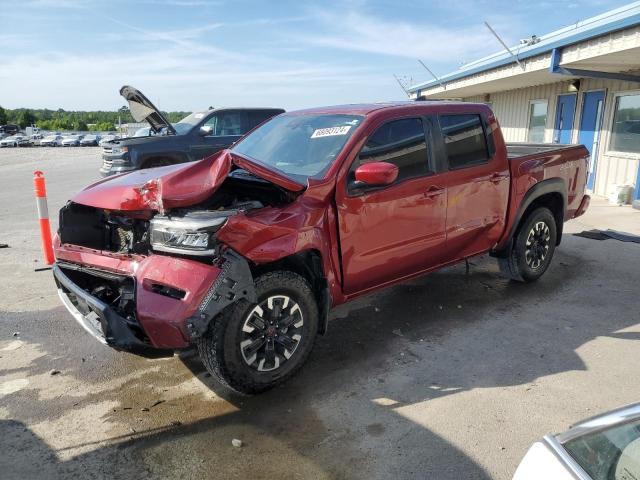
(625, 133)
(537, 120)
(464, 140)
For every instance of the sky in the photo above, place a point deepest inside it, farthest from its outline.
(191, 54)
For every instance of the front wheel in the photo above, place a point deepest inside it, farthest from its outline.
(254, 347)
(533, 247)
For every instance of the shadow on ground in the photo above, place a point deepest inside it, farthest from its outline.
(436, 336)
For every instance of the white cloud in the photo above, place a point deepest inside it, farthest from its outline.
(360, 32)
(53, 4)
(176, 80)
(190, 3)
(185, 69)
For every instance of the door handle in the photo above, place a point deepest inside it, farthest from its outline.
(497, 178)
(433, 191)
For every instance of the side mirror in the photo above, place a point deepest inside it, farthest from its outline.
(376, 173)
(206, 130)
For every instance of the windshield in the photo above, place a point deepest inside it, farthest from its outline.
(613, 453)
(299, 146)
(143, 132)
(188, 122)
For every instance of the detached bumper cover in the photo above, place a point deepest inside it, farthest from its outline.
(101, 321)
(169, 321)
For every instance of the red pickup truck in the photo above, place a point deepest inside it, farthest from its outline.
(244, 253)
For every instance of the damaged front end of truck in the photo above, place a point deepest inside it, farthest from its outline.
(138, 260)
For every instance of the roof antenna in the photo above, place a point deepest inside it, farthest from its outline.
(504, 45)
(401, 85)
(444, 87)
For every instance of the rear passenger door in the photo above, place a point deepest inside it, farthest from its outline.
(477, 184)
(389, 232)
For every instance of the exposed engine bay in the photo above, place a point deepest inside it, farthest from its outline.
(181, 231)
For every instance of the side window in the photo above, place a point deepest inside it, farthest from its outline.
(225, 124)
(464, 140)
(401, 142)
(256, 117)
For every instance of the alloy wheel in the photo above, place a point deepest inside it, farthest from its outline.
(537, 245)
(271, 333)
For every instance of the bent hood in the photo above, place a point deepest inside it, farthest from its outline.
(142, 110)
(174, 186)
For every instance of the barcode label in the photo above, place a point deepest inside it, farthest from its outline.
(331, 132)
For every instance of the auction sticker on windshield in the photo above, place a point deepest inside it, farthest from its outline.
(331, 131)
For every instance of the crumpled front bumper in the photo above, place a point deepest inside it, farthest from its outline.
(168, 320)
(100, 320)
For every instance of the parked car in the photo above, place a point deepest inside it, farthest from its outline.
(107, 139)
(19, 140)
(51, 141)
(606, 447)
(89, 141)
(36, 138)
(244, 253)
(194, 137)
(10, 129)
(71, 141)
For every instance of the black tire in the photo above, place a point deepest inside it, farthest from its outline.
(533, 247)
(157, 162)
(221, 347)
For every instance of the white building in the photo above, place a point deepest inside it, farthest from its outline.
(580, 84)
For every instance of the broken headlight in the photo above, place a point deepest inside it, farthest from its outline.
(191, 234)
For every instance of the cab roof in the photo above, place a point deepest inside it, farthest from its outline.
(368, 108)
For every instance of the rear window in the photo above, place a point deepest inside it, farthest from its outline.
(464, 140)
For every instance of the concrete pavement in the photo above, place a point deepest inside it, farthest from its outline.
(449, 376)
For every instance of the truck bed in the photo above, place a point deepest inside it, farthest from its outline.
(521, 149)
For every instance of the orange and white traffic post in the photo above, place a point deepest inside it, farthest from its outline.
(43, 216)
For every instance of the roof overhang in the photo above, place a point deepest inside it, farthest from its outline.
(610, 54)
(616, 52)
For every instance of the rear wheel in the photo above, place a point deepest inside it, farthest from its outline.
(254, 347)
(532, 248)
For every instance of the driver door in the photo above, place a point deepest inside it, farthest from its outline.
(226, 127)
(394, 231)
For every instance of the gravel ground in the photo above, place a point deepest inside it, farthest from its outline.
(450, 376)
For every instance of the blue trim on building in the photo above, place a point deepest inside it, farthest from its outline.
(618, 19)
(554, 67)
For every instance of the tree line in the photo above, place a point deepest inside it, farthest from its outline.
(60, 120)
